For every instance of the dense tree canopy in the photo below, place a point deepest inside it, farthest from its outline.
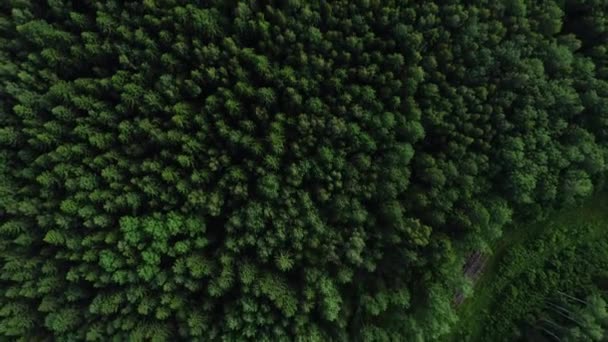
(280, 170)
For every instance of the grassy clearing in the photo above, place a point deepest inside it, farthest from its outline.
(475, 310)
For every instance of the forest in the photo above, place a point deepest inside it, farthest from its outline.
(303, 170)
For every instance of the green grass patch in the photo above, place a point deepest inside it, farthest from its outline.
(530, 262)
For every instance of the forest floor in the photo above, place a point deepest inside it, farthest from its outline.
(473, 309)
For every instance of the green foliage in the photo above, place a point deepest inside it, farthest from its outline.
(306, 170)
(588, 320)
(539, 285)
